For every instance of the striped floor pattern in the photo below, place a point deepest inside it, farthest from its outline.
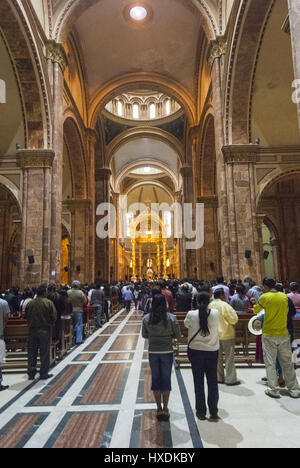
(100, 397)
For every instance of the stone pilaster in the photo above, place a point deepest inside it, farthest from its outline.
(91, 142)
(294, 17)
(57, 62)
(80, 243)
(208, 257)
(188, 255)
(217, 52)
(36, 216)
(243, 229)
(102, 247)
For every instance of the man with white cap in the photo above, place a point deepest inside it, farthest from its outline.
(78, 300)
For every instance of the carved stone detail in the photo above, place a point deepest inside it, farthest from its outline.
(56, 53)
(35, 158)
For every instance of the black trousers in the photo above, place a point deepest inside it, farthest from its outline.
(38, 340)
(205, 363)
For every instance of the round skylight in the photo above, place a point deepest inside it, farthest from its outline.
(138, 13)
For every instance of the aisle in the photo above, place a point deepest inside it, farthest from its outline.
(100, 396)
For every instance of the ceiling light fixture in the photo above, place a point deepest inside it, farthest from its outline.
(138, 13)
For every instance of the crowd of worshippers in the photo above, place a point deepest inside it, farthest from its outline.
(211, 312)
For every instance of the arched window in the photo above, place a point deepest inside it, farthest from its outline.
(135, 111)
(152, 111)
(2, 92)
(168, 107)
(120, 108)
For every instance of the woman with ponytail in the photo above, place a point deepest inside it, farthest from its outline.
(203, 349)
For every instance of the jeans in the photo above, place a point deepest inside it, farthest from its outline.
(38, 339)
(161, 369)
(128, 305)
(78, 326)
(205, 363)
(1, 379)
(99, 312)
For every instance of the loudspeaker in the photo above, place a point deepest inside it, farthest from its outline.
(31, 259)
(78, 268)
(212, 265)
(66, 269)
(248, 254)
(266, 254)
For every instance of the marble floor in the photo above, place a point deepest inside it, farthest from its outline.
(100, 396)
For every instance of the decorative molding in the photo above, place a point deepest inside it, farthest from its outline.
(35, 158)
(209, 201)
(102, 173)
(76, 205)
(240, 154)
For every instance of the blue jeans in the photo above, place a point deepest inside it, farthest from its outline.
(78, 326)
(99, 312)
(161, 369)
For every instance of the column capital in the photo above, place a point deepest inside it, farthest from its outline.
(91, 135)
(217, 48)
(55, 52)
(209, 202)
(260, 218)
(102, 173)
(240, 154)
(35, 158)
(186, 171)
(76, 205)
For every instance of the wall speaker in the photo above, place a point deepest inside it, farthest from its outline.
(78, 269)
(266, 254)
(248, 254)
(66, 269)
(31, 259)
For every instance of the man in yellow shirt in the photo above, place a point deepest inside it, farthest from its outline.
(228, 318)
(276, 340)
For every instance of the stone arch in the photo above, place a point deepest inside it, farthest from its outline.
(137, 81)
(246, 42)
(10, 237)
(28, 71)
(279, 204)
(72, 9)
(76, 154)
(275, 176)
(142, 132)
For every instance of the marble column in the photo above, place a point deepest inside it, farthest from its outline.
(294, 18)
(240, 162)
(57, 62)
(36, 216)
(102, 247)
(218, 49)
(80, 239)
